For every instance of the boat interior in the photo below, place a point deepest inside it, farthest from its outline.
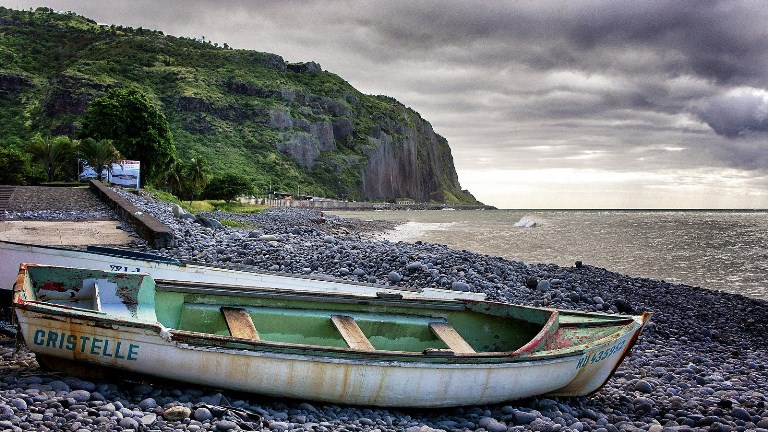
(281, 317)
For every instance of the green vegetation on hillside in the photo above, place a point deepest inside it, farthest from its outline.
(283, 126)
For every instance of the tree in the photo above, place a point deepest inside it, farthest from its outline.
(138, 129)
(52, 153)
(197, 175)
(227, 187)
(174, 180)
(14, 167)
(98, 153)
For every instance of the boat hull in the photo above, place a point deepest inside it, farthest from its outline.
(354, 379)
(107, 259)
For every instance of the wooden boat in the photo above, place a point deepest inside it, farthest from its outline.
(339, 348)
(103, 258)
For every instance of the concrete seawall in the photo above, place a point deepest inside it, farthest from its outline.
(157, 234)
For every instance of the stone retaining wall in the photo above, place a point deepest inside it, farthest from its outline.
(354, 205)
(157, 234)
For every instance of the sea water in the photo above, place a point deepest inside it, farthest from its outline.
(719, 250)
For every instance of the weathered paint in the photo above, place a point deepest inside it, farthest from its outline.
(335, 374)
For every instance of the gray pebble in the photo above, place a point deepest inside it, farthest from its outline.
(20, 404)
(543, 286)
(79, 395)
(414, 266)
(148, 419)
(461, 286)
(522, 417)
(203, 414)
(128, 423)
(225, 425)
(148, 404)
(643, 386)
(59, 386)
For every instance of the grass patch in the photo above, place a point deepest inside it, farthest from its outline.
(237, 224)
(218, 205)
(199, 206)
(236, 207)
(206, 205)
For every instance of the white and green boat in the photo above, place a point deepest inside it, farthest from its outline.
(339, 348)
(159, 267)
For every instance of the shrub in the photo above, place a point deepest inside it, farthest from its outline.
(227, 187)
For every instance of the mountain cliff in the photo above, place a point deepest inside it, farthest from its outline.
(286, 126)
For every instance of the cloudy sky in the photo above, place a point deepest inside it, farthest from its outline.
(545, 104)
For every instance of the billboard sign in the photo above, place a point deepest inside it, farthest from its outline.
(125, 173)
(87, 172)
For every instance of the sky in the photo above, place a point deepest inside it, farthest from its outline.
(545, 104)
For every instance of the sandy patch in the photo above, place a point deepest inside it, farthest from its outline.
(62, 233)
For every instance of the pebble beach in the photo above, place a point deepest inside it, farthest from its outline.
(700, 365)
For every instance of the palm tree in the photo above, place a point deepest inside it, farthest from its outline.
(52, 154)
(198, 175)
(98, 153)
(174, 180)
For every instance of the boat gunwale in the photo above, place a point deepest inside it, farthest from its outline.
(102, 319)
(223, 290)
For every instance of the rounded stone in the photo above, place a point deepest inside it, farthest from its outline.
(19, 404)
(129, 423)
(148, 404)
(741, 414)
(461, 286)
(643, 386)
(225, 425)
(78, 384)
(543, 286)
(149, 419)
(413, 266)
(59, 386)
(203, 414)
(79, 395)
(492, 425)
(523, 417)
(176, 413)
(394, 277)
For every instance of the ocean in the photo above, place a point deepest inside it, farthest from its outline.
(718, 250)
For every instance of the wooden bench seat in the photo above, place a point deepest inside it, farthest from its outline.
(451, 338)
(240, 323)
(350, 331)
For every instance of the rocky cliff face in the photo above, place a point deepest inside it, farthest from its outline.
(417, 165)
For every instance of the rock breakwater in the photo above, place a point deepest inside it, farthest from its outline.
(701, 365)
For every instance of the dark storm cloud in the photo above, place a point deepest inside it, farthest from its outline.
(736, 115)
(642, 46)
(723, 41)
